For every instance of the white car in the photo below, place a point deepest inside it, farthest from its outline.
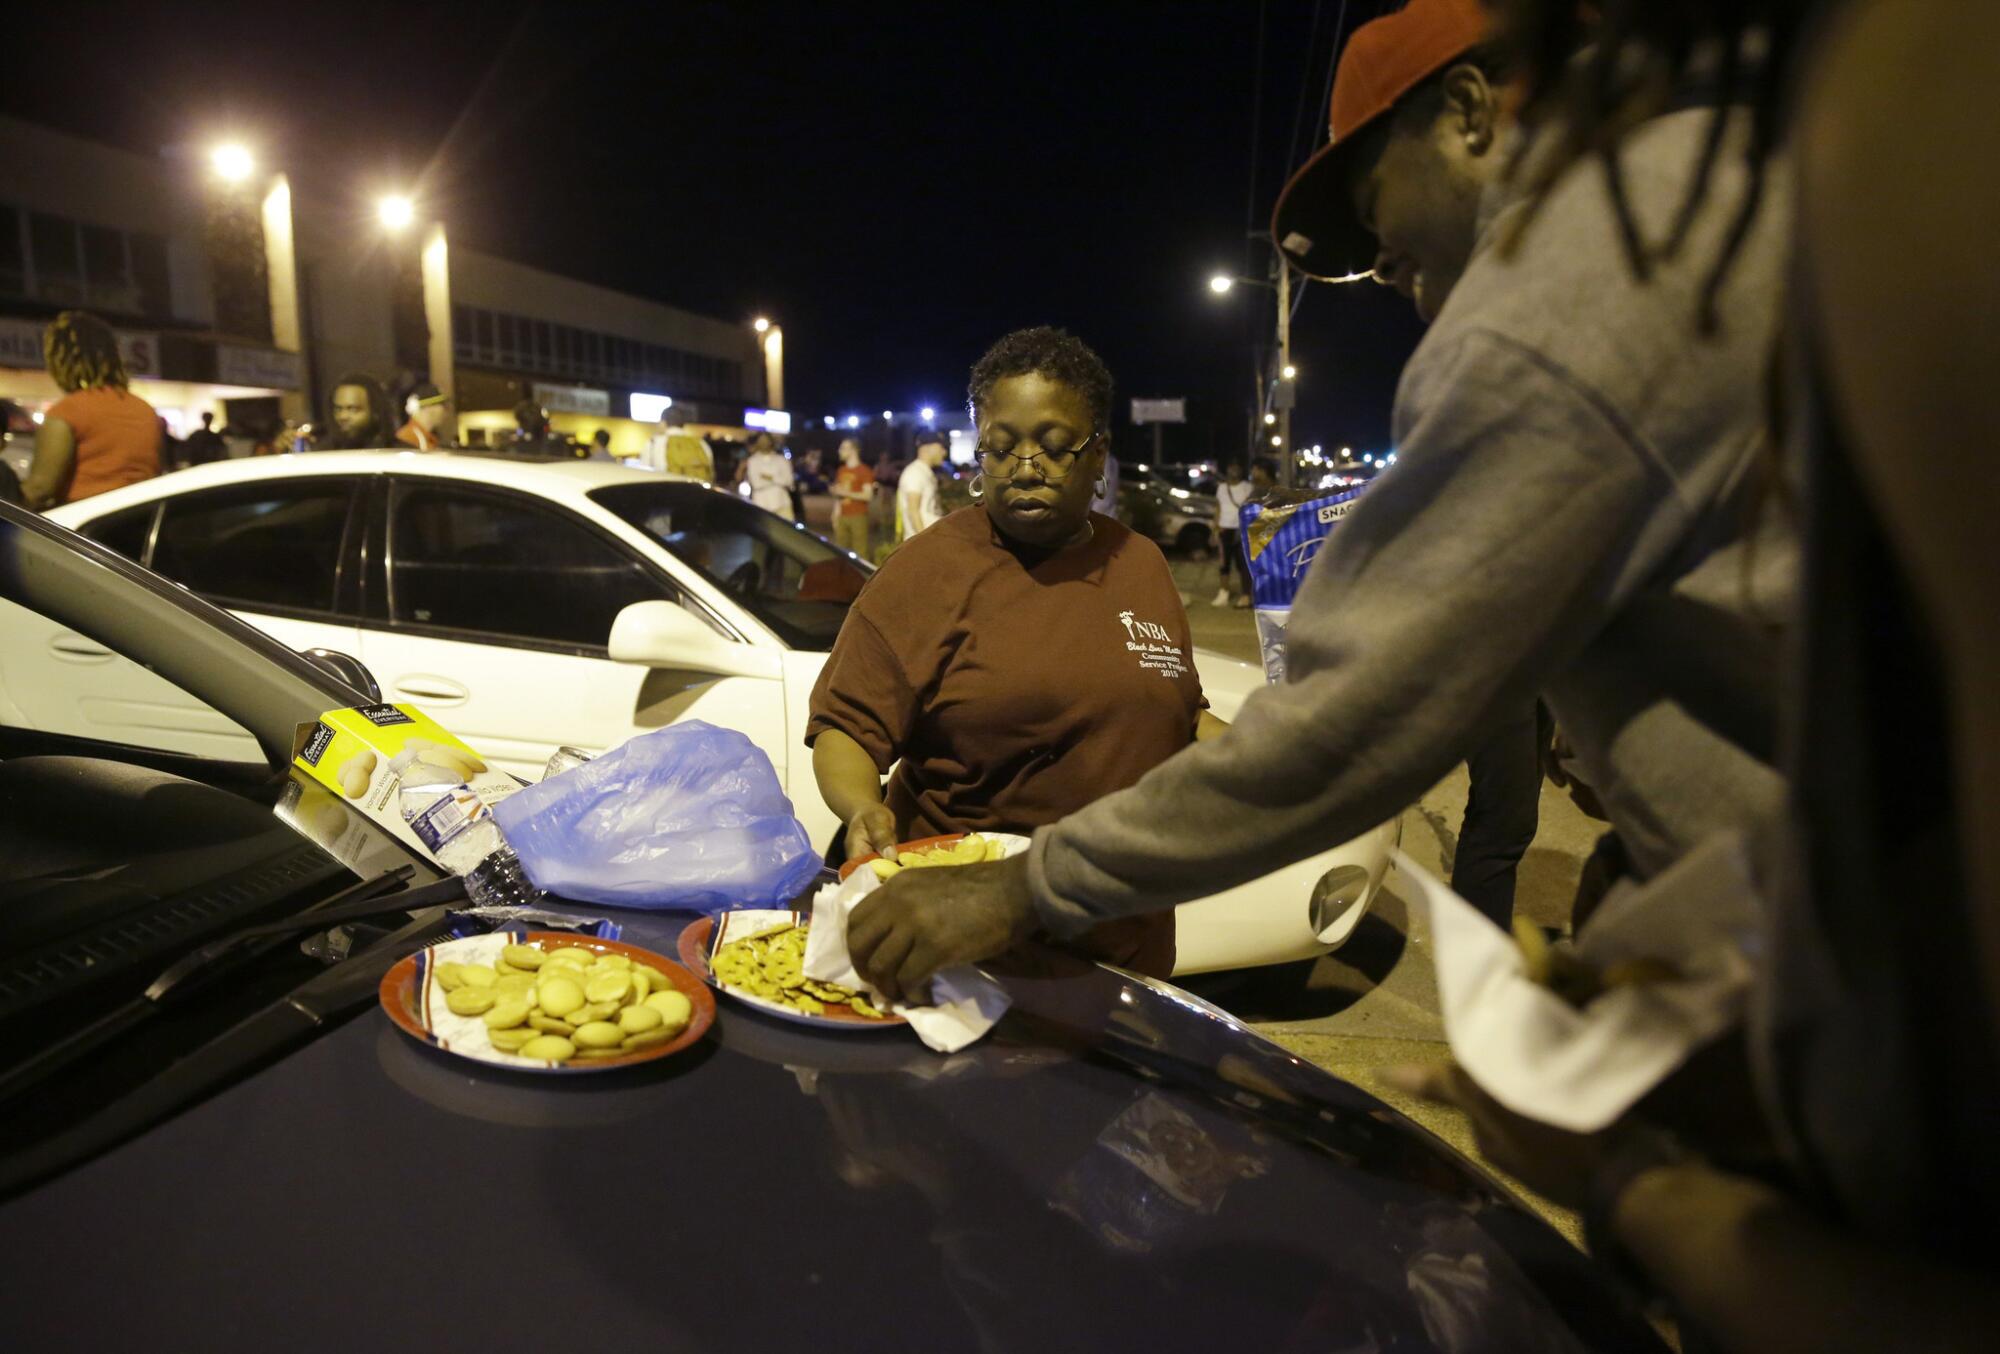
(533, 604)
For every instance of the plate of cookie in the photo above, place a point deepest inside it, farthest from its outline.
(757, 956)
(547, 1001)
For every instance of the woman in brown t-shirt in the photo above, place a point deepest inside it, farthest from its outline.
(1020, 658)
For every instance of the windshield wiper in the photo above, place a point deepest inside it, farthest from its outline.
(267, 1034)
(372, 897)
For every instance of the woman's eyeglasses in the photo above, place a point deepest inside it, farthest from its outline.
(1056, 463)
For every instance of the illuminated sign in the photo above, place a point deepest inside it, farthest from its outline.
(648, 408)
(770, 420)
(572, 399)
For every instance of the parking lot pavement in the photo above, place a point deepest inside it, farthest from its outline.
(1374, 1002)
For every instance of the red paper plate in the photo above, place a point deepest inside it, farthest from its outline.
(920, 844)
(403, 985)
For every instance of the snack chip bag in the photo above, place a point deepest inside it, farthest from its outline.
(1283, 531)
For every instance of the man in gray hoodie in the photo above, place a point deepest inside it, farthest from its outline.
(1578, 511)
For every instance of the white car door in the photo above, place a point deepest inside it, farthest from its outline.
(498, 607)
(276, 552)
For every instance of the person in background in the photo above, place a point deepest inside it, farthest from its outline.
(917, 504)
(853, 487)
(204, 444)
(1574, 513)
(358, 415)
(679, 450)
(99, 436)
(882, 508)
(1021, 658)
(429, 424)
(532, 436)
(769, 475)
(600, 446)
(1230, 496)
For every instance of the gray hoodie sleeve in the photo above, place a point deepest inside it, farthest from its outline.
(1521, 512)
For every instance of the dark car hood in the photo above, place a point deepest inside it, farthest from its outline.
(1119, 1167)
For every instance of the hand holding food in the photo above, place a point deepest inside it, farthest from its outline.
(1578, 982)
(872, 831)
(922, 920)
(569, 1002)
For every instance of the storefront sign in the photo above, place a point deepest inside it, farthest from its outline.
(770, 420)
(573, 399)
(266, 368)
(21, 346)
(1159, 411)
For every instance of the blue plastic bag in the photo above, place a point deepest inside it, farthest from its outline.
(689, 817)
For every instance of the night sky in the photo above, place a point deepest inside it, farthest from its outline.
(897, 185)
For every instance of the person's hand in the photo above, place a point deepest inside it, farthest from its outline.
(872, 831)
(1554, 1162)
(920, 921)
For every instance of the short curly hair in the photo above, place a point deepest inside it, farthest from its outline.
(1053, 354)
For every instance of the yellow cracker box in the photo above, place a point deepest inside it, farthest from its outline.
(352, 753)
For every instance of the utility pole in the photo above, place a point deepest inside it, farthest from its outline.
(1282, 396)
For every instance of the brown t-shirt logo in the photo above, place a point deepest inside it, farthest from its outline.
(1154, 645)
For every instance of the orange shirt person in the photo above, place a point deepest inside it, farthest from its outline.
(429, 425)
(99, 436)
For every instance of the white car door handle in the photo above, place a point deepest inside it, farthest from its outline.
(73, 648)
(436, 690)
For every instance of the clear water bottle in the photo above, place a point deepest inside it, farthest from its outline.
(458, 827)
(565, 759)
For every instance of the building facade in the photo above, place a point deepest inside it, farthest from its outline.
(234, 297)
(179, 272)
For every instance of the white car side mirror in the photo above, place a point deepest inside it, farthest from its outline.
(660, 634)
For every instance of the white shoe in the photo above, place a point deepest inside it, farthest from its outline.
(1221, 598)
(1243, 602)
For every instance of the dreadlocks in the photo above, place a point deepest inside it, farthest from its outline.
(82, 352)
(1643, 54)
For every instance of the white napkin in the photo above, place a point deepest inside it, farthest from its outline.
(1580, 1069)
(965, 1003)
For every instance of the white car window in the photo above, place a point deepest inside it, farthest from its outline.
(273, 547)
(790, 579)
(497, 565)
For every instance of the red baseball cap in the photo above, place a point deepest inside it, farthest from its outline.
(1314, 222)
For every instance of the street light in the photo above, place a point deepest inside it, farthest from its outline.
(1290, 372)
(1277, 441)
(928, 413)
(1269, 419)
(396, 211)
(232, 162)
(1221, 283)
(760, 324)
(854, 420)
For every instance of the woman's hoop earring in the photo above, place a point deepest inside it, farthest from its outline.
(977, 489)
(1103, 483)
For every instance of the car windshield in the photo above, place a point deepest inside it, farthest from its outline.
(791, 580)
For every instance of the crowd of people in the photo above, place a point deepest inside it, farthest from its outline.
(1679, 458)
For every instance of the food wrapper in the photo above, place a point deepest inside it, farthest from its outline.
(965, 1003)
(1283, 531)
(1580, 1069)
(351, 754)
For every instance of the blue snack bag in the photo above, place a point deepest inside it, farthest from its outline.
(1282, 533)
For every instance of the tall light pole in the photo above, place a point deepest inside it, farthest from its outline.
(1276, 392)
